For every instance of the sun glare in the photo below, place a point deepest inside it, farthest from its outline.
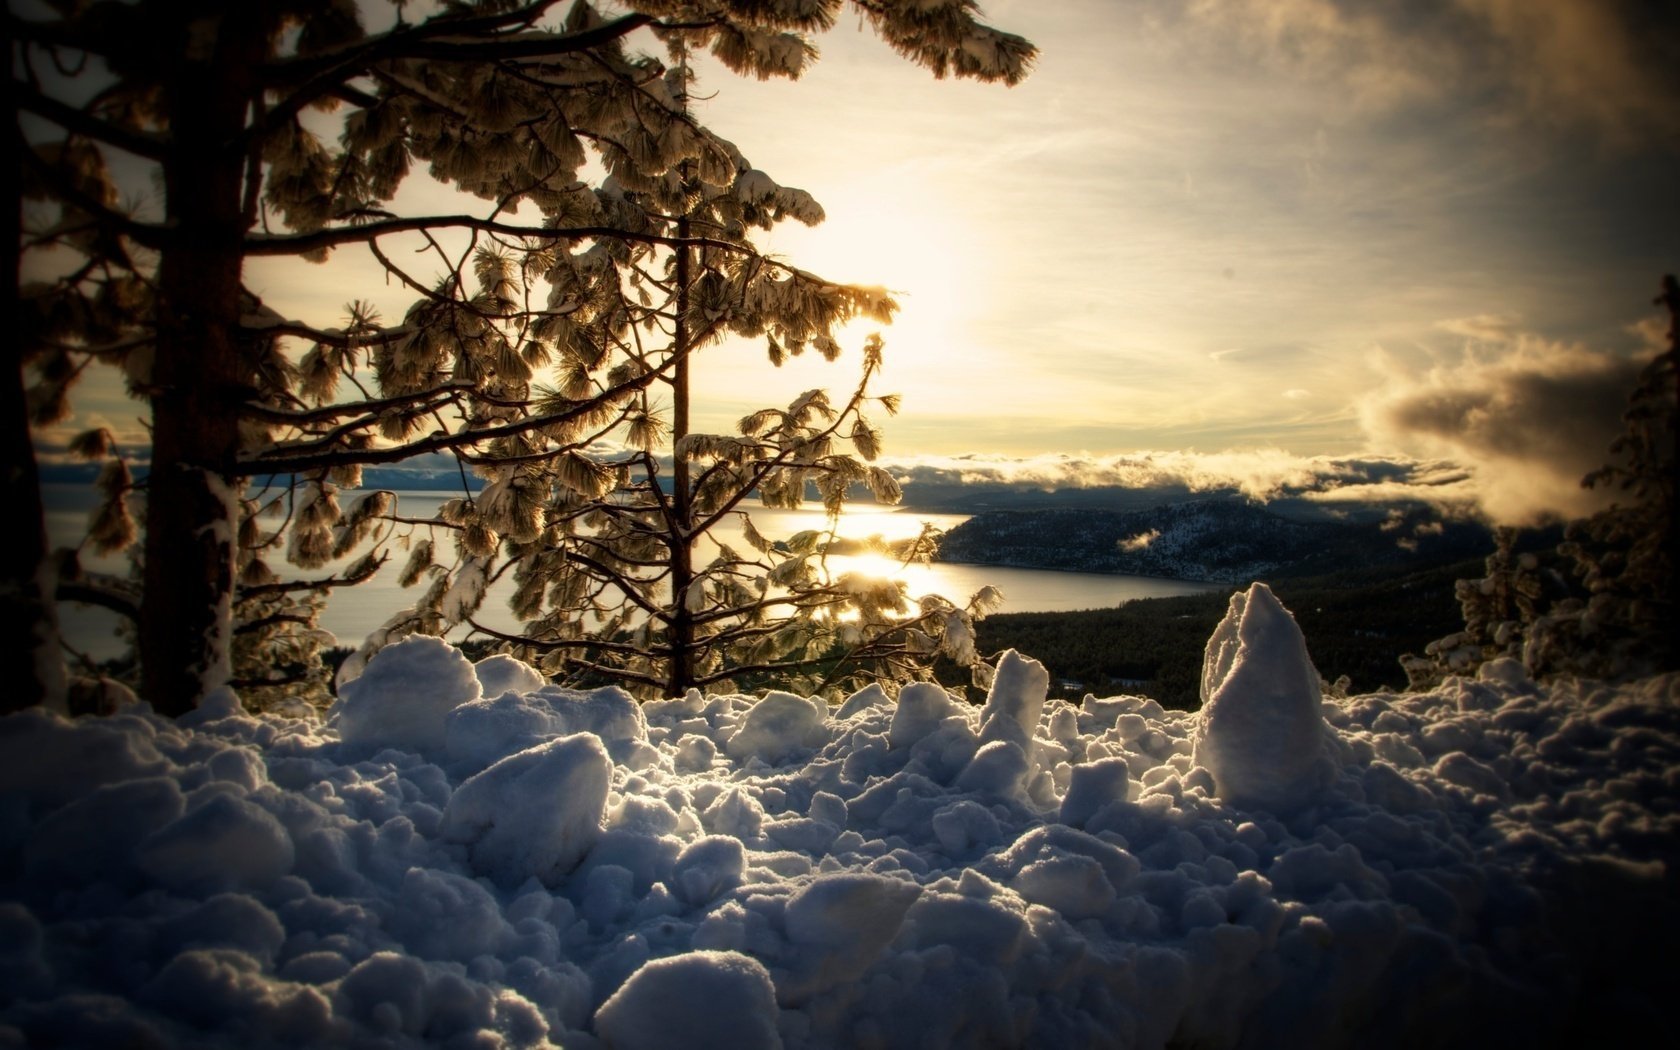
(868, 564)
(894, 231)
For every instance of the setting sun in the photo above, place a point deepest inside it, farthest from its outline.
(891, 229)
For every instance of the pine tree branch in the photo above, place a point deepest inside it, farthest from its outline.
(404, 85)
(331, 439)
(271, 325)
(619, 579)
(443, 39)
(434, 34)
(68, 193)
(499, 459)
(355, 96)
(86, 592)
(762, 469)
(553, 644)
(429, 294)
(625, 584)
(856, 656)
(141, 144)
(801, 600)
(260, 590)
(250, 626)
(327, 412)
(621, 673)
(285, 460)
(318, 240)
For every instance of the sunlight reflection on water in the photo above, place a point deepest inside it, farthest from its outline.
(353, 611)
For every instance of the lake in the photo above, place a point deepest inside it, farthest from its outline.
(354, 611)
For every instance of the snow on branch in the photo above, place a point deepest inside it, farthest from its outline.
(319, 240)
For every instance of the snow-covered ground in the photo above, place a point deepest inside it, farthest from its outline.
(466, 858)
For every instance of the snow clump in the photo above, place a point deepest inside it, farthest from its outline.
(1261, 733)
(401, 701)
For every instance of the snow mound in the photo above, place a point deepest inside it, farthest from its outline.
(532, 815)
(403, 696)
(502, 673)
(777, 727)
(1262, 735)
(226, 843)
(1015, 700)
(703, 1000)
(481, 731)
(1486, 864)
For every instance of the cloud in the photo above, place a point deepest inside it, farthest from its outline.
(1484, 327)
(1602, 65)
(1527, 426)
(1265, 474)
(1377, 62)
(1605, 63)
(1140, 542)
(1504, 438)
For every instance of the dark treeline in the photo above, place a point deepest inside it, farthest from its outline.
(1357, 623)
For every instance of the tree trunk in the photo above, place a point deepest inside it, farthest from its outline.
(28, 615)
(681, 672)
(199, 378)
(30, 623)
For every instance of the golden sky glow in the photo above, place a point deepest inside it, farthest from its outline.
(1226, 226)
(1296, 228)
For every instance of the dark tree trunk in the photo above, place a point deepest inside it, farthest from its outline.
(200, 378)
(28, 616)
(681, 674)
(30, 625)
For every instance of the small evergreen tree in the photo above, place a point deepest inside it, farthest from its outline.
(1618, 618)
(1498, 611)
(620, 571)
(1627, 557)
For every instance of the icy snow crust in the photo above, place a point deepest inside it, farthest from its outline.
(1470, 866)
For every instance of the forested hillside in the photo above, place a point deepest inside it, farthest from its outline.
(1356, 623)
(1223, 540)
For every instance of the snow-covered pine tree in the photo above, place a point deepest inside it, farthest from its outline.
(1498, 610)
(1627, 557)
(221, 104)
(612, 540)
(1617, 618)
(635, 585)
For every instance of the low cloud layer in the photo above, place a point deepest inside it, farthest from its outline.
(1264, 474)
(1504, 428)
(1505, 432)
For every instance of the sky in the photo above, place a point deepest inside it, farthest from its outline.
(1240, 237)
(1323, 229)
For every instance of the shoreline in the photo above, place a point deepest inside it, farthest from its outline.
(1087, 572)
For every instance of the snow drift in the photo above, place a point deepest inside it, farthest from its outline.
(465, 857)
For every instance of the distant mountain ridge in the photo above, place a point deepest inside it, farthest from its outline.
(1212, 540)
(432, 472)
